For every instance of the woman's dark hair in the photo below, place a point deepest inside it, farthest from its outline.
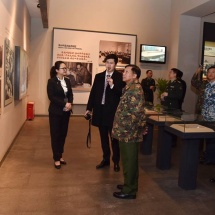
(53, 72)
(135, 69)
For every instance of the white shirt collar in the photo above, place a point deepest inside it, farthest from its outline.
(108, 73)
(60, 79)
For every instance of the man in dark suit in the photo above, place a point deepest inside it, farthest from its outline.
(103, 101)
(148, 85)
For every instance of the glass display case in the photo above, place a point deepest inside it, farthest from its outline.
(190, 123)
(161, 113)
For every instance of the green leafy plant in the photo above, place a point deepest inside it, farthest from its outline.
(161, 85)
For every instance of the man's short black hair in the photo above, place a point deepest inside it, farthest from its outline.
(111, 56)
(135, 69)
(211, 67)
(148, 71)
(178, 72)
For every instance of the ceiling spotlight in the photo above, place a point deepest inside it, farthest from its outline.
(38, 5)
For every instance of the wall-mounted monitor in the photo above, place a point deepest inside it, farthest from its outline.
(152, 54)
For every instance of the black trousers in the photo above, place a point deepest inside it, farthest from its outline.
(105, 133)
(58, 131)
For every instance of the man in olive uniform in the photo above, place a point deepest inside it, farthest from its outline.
(128, 128)
(173, 94)
(148, 85)
(198, 83)
(184, 87)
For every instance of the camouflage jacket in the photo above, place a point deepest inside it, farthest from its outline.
(129, 119)
(200, 86)
(208, 110)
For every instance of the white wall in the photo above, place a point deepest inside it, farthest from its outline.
(152, 25)
(15, 25)
(153, 21)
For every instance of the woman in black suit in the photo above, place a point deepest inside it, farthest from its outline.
(61, 97)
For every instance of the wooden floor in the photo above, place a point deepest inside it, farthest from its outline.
(30, 185)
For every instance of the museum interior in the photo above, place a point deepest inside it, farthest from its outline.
(36, 33)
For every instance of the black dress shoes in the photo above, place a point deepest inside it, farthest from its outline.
(63, 162)
(103, 164)
(119, 186)
(212, 180)
(116, 168)
(57, 166)
(121, 195)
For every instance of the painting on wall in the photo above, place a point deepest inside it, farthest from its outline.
(8, 72)
(1, 59)
(89, 49)
(21, 70)
(209, 56)
(1, 62)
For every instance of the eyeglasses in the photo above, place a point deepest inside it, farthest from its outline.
(64, 68)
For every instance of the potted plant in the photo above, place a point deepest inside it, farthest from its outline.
(161, 85)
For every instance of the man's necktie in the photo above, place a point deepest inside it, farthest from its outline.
(105, 86)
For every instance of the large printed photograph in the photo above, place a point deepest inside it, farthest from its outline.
(84, 53)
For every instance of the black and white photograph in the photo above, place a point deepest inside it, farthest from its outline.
(80, 75)
(121, 49)
(73, 47)
(8, 72)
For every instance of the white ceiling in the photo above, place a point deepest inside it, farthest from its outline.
(33, 9)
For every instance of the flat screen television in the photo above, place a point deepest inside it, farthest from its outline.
(152, 54)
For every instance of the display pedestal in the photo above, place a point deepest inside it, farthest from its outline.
(146, 146)
(189, 164)
(164, 148)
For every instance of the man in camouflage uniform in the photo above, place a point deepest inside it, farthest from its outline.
(128, 128)
(173, 94)
(200, 85)
(208, 110)
(208, 113)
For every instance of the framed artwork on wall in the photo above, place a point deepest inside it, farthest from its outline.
(21, 68)
(84, 52)
(1, 62)
(8, 72)
(208, 47)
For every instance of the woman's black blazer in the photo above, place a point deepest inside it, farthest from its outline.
(56, 95)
